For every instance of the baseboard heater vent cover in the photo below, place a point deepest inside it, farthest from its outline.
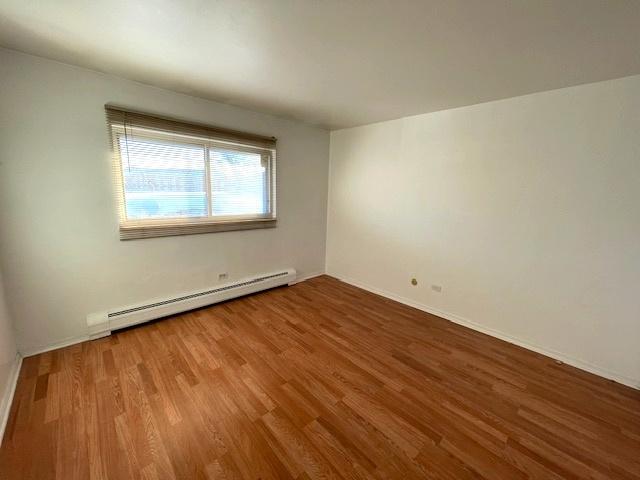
(103, 323)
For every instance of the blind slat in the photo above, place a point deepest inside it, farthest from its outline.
(118, 115)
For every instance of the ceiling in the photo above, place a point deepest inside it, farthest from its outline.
(337, 63)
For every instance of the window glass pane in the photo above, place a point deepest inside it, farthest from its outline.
(238, 183)
(162, 179)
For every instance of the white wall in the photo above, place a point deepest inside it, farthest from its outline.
(7, 342)
(59, 246)
(8, 360)
(526, 211)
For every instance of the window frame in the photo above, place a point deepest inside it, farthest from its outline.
(169, 226)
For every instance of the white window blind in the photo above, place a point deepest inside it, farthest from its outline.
(176, 178)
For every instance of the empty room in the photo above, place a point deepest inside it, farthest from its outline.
(319, 239)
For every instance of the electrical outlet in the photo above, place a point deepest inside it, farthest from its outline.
(223, 276)
(436, 288)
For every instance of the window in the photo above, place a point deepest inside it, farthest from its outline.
(176, 178)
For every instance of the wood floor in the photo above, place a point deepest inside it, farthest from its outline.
(318, 380)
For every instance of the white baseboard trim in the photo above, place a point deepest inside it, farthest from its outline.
(582, 365)
(7, 398)
(307, 277)
(29, 352)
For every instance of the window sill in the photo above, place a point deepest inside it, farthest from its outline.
(132, 232)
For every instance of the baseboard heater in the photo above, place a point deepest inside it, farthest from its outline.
(101, 324)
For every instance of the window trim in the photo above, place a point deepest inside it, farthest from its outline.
(131, 232)
(162, 128)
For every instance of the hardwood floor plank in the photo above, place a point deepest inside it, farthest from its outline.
(320, 380)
